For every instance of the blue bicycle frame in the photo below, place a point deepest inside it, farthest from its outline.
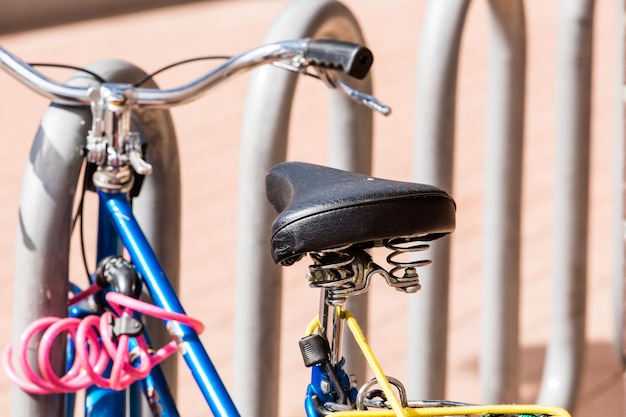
(117, 228)
(118, 225)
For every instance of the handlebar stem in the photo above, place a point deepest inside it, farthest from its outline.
(111, 144)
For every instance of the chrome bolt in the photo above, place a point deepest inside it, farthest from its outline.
(325, 386)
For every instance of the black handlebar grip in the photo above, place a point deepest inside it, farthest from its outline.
(351, 58)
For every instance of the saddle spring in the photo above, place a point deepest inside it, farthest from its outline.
(347, 271)
(403, 260)
(332, 268)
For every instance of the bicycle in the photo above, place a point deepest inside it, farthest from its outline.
(108, 348)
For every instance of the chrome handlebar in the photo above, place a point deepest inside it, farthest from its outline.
(294, 54)
(39, 83)
(114, 148)
(149, 97)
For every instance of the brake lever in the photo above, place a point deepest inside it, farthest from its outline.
(365, 99)
(294, 65)
(360, 97)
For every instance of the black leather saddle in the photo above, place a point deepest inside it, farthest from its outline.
(323, 208)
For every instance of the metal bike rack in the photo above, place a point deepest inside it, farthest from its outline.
(432, 164)
(619, 194)
(434, 148)
(264, 144)
(563, 368)
(503, 202)
(45, 215)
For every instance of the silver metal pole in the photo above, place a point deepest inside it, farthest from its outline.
(502, 215)
(263, 144)
(45, 213)
(619, 180)
(433, 160)
(43, 239)
(562, 372)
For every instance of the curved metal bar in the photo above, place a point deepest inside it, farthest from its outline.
(433, 164)
(45, 212)
(25, 74)
(619, 194)
(43, 238)
(502, 215)
(152, 97)
(265, 54)
(264, 144)
(562, 371)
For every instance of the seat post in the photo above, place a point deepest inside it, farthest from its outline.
(331, 325)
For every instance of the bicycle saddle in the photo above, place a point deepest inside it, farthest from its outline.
(323, 208)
